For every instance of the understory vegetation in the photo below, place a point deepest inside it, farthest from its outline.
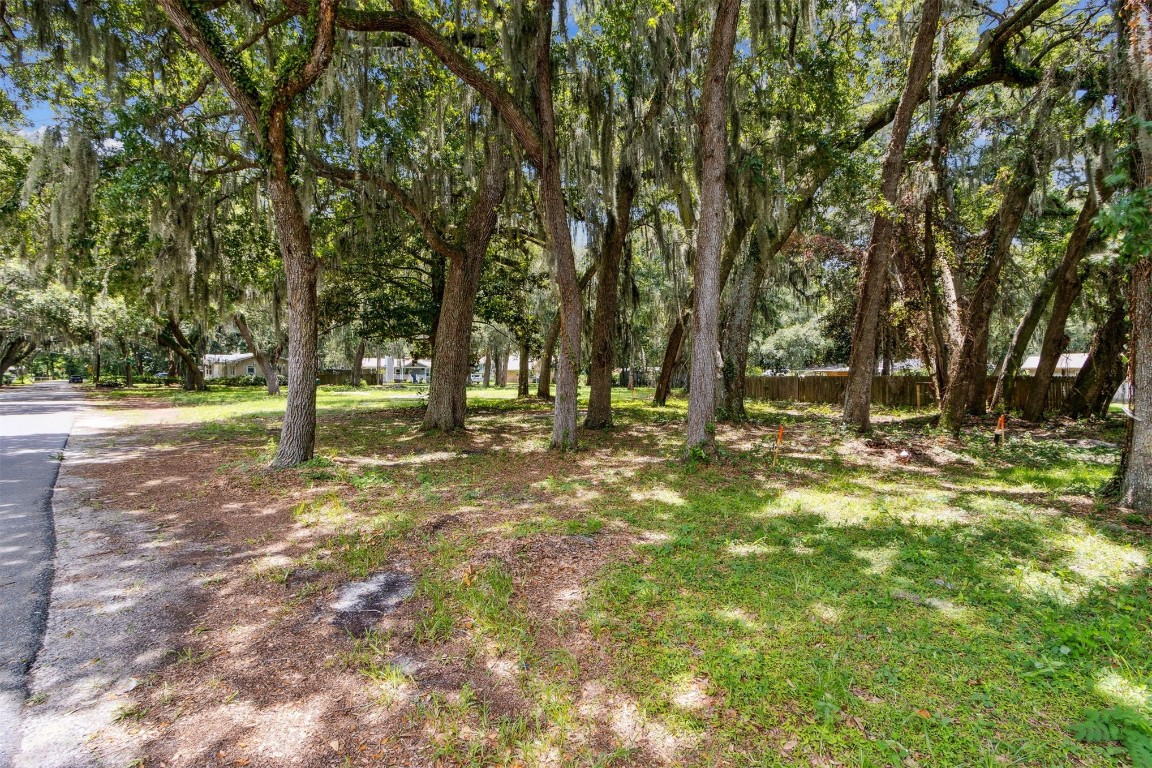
(909, 599)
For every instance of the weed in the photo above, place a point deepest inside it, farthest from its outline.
(128, 712)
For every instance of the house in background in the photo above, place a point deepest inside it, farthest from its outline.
(393, 370)
(1069, 364)
(237, 365)
(513, 369)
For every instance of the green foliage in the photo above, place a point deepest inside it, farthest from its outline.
(1128, 220)
(1122, 726)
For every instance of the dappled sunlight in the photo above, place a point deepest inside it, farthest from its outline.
(746, 549)
(824, 613)
(1118, 690)
(630, 724)
(567, 599)
(283, 733)
(690, 692)
(834, 508)
(1087, 559)
(660, 494)
(1096, 559)
(880, 559)
(1043, 585)
(738, 616)
(618, 604)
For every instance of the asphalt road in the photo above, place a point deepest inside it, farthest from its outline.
(34, 425)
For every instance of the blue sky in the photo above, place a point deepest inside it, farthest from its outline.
(37, 115)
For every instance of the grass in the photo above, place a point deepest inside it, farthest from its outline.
(977, 609)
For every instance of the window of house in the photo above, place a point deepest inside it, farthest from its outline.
(251, 370)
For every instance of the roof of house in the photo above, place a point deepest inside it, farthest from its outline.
(513, 362)
(233, 358)
(377, 363)
(1069, 361)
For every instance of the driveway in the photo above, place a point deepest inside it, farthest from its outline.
(34, 425)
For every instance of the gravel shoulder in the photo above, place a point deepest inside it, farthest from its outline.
(113, 608)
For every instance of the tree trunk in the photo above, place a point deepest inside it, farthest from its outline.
(1069, 284)
(710, 228)
(671, 357)
(559, 241)
(451, 352)
(971, 321)
(1103, 369)
(502, 366)
(488, 355)
(543, 387)
(978, 389)
(523, 374)
(174, 339)
(96, 366)
(874, 272)
(267, 367)
(607, 295)
(298, 434)
(1136, 482)
(15, 352)
(357, 378)
(736, 333)
(1010, 366)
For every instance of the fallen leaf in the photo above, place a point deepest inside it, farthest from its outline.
(924, 714)
(335, 745)
(789, 745)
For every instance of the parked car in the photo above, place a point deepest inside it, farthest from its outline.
(476, 377)
(75, 379)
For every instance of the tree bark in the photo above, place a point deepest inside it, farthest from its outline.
(1135, 471)
(451, 353)
(267, 117)
(298, 433)
(267, 367)
(706, 286)
(555, 216)
(1103, 370)
(502, 353)
(544, 386)
(607, 295)
(15, 352)
(523, 373)
(1136, 485)
(171, 337)
(978, 388)
(671, 357)
(1009, 367)
(357, 377)
(1068, 286)
(971, 318)
(874, 272)
(736, 326)
(488, 355)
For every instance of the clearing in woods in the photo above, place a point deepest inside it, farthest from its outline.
(911, 599)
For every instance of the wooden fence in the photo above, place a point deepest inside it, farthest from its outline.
(905, 391)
